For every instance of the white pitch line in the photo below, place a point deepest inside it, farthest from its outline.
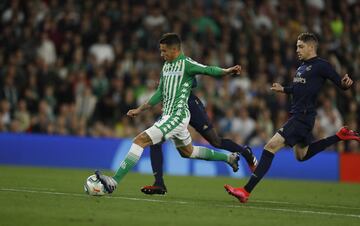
(189, 203)
(256, 201)
(37, 188)
(84, 195)
(307, 204)
(147, 200)
(295, 211)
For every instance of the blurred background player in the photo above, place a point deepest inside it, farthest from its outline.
(296, 132)
(201, 123)
(175, 85)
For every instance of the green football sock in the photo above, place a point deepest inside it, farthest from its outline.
(205, 153)
(129, 162)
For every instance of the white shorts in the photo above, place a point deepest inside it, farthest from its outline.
(170, 127)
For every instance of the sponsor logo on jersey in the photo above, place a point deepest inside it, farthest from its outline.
(300, 71)
(299, 80)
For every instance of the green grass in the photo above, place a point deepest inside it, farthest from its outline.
(41, 196)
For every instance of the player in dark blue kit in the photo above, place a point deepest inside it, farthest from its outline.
(296, 132)
(201, 123)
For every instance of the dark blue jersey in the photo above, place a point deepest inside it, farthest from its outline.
(199, 119)
(307, 83)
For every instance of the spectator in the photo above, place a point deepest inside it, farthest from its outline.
(243, 124)
(329, 118)
(85, 103)
(46, 51)
(100, 83)
(5, 113)
(9, 92)
(22, 115)
(50, 98)
(102, 50)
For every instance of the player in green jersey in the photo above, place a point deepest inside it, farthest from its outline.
(175, 85)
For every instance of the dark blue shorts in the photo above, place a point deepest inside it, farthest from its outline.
(199, 119)
(298, 130)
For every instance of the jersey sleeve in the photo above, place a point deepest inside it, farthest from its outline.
(157, 96)
(330, 73)
(195, 68)
(289, 89)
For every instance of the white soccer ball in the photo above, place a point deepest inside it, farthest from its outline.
(93, 186)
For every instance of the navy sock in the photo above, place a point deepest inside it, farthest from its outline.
(319, 146)
(231, 146)
(261, 169)
(156, 157)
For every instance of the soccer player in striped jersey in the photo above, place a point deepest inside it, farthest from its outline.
(201, 123)
(296, 132)
(177, 76)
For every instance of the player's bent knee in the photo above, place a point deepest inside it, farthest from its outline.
(185, 153)
(300, 153)
(142, 140)
(299, 158)
(272, 146)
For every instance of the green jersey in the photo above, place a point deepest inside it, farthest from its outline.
(176, 82)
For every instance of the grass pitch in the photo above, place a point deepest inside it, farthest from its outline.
(41, 196)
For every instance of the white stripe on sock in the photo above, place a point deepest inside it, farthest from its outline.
(195, 152)
(136, 150)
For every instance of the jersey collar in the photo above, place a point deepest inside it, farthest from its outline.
(181, 56)
(311, 59)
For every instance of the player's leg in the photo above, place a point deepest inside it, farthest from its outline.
(168, 126)
(300, 151)
(156, 158)
(290, 134)
(201, 123)
(275, 144)
(175, 127)
(140, 142)
(146, 138)
(304, 153)
(204, 153)
(183, 143)
(215, 140)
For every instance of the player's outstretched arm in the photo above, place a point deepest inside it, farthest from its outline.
(195, 68)
(235, 70)
(155, 99)
(277, 88)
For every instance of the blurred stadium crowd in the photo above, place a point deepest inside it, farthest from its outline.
(76, 67)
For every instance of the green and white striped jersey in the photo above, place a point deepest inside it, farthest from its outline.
(176, 82)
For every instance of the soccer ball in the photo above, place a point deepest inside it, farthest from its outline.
(93, 186)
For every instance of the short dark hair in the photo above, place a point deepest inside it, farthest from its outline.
(308, 37)
(170, 39)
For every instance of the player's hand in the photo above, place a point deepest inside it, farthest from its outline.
(346, 81)
(277, 87)
(133, 112)
(235, 70)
